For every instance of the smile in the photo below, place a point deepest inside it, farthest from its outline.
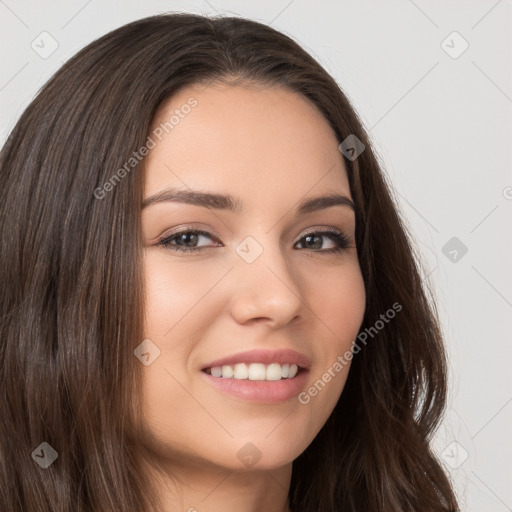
(254, 371)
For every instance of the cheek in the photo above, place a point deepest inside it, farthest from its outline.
(339, 305)
(339, 300)
(177, 314)
(166, 291)
(174, 291)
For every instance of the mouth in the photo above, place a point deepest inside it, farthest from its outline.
(258, 391)
(259, 376)
(255, 371)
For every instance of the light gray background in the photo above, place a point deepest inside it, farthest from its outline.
(442, 126)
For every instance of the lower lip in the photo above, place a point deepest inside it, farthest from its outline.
(260, 391)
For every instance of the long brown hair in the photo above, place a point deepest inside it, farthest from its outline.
(71, 301)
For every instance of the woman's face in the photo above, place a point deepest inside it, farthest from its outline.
(263, 287)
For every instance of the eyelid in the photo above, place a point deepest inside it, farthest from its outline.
(322, 229)
(345, 241)
(328, 229)
(212, 233)
(197, 231)
(185, 229)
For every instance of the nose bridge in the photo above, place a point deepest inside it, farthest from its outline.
(266, 286)
(260, 254)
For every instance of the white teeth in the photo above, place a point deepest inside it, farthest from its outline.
(227, 372)
(255, 371)
(216, 371)
(273, 372)
(241, 371)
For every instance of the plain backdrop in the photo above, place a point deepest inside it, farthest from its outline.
(432, 82)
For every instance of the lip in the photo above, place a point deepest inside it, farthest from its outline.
(281, 356)
(260, 391)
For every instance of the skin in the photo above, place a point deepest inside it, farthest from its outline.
(271, 148)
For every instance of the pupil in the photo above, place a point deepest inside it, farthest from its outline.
(191, 236)
(312, 237)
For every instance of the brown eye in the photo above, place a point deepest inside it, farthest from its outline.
(314, 241)
(185, 241)
(188, 240)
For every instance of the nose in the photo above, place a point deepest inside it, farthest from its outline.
(267, 290)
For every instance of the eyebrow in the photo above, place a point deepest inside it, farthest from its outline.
(229, 203)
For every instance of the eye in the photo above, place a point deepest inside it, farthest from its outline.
(185, 241)
(314, 239)
(188, 240)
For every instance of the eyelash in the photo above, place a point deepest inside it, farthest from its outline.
(334, 234)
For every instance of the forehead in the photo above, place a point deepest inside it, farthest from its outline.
(246, 138)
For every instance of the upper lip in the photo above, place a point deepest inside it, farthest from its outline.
(263, 356)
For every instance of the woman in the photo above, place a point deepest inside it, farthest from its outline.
(209, 301)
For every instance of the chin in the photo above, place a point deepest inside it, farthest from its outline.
(259, 453)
